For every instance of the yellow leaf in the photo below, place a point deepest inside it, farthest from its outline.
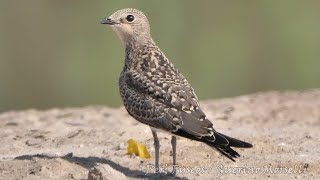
(132, 147)
(138, 149)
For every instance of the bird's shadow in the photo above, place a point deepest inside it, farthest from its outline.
(90, 162)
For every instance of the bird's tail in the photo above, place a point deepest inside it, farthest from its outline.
(223, 144)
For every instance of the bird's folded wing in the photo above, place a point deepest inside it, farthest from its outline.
(179, 101)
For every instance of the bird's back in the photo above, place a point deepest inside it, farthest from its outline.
(151, 84)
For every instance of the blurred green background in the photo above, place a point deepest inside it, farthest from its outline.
(54, 53)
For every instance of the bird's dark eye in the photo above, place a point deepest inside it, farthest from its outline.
(130, 18)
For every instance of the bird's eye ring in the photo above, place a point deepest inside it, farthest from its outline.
(130, 18)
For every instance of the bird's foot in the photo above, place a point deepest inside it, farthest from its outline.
(174, 171)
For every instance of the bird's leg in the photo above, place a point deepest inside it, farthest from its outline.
(174, 144)
(156, 148)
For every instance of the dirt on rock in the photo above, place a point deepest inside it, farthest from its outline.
(91, 142)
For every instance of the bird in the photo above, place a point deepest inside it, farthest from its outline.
(155, 93)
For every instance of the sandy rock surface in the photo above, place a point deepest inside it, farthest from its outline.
(91, 142)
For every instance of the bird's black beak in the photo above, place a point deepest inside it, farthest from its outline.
(107, 21)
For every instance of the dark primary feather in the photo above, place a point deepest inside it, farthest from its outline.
(156, 93)
(225, 149)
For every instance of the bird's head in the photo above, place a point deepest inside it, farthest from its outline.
(129, 24)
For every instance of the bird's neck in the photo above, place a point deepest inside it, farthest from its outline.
(138, 40)
(134, 48)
